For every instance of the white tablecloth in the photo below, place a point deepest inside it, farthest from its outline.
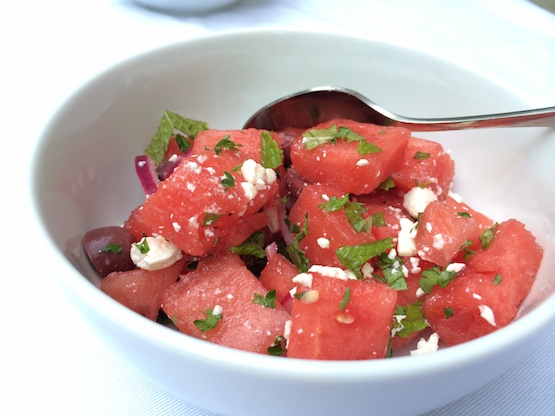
(51, 363)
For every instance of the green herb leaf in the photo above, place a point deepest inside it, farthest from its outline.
(209, 323)
(228, 181)
(421, 155)
(334, 203)
(318, 137)
(413, 320)
(392, 271)
(112, 248)
(226, 144)
(448, 312)
(296, 254)
(464, 214)
(210, 218)
(346, 298)
(497, 279)
(277, 347)
(182, 142)
(377, 220)
(268, 301)
(143, 246)
(387, 184)
(354, 257)
(170, 123)
(252, 246)
(486, 238)
(355, 211)
(367, 148)
(271, 156)
(435, 276)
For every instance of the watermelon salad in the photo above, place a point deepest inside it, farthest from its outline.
(340, 242)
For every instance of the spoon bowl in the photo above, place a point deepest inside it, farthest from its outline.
(308, 108)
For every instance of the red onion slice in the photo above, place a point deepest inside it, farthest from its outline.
(146, 171)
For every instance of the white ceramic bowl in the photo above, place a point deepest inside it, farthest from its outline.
(83, 178)
(186, 6)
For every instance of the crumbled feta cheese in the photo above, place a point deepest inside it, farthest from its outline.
(415, 262)
(304, 279)
(287, 329)
(191, 186)
(406, 245)
(161, 254)
(362, 162)
(487, 314)
(176, 226)
(217, 310)
(455, 196)
(323, 242)
(476, 296)
(417, 199)
(249, 189)
(367, 270)
(392, 254)
(420, 292)
(202, 158)
(257, 178)
(439, 241)
(455, 267)
(424, 347)
(333, 272)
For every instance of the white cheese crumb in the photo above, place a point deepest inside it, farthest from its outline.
(161, 254)
(487, 314)
(424, 347)
(287, 329)
(257, 178)
(333, 272)
(406, 246)
(476, 296)
(191, 186)
(420, 292)
(367, 270)
(362, 162)
(455, 267)
(439, 241)
(323, 242)
(304, 279)
(202, 158)
(217, 310)
(417, 199)
(176, 226)
(415, 262)
(455, 196)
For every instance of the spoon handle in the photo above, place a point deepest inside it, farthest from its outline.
(542, 117)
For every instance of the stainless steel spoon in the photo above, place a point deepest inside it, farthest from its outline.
(308, 108)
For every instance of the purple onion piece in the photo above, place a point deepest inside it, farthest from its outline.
(146, 171)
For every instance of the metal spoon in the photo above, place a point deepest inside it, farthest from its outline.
(308, 108)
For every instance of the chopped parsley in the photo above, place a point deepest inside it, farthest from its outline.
(486, 238)
(271, 156)
(169, 123)
(228, 181)
(209, 323)
(497, 279)
(268, 300)
(448, 312)
(464, 214)
(346, 298)
(387, 184)
(334, 203)
(465, 248)
(112, 248)
(354, 257)
(435, 276)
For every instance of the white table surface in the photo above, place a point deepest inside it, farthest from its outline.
(51, 363)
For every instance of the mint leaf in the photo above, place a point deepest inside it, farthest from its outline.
(318, 137)
(497, 279)
(271, 156)
(377, 220)
(143, 246)
(226, 144)
(435, 276)
(354, 257)
(296, 254)
(354, 211)
(392, 271)
(346, 298)
(268, 301)
(112, 248)
(228, 181)
(252, 246)
(387, 184)
(486, 238)
(169, 124)
(421, 155)
(413, 320)
(209, 323)
(448, 312)
(366, 148)
(334, 203)
(210, 218)
(277, 347)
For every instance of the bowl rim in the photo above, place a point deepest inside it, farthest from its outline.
(527, 327)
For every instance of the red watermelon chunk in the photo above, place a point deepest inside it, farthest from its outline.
(487, 294)
(331, 328)
(224, 281)
(427, 164)
(442, 232)
(327, 230)
(194, 210)
(141, 290)
(340, 162)
(278, 274)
